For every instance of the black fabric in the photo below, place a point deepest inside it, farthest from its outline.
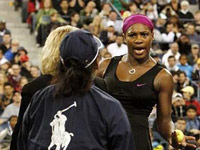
(137, 97)
(27, 92)
(96, 122)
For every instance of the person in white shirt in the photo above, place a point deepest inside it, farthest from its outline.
(12, 109)
(172, 64)
(173, 51)
(118, 48)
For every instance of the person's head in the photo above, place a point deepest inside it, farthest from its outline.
(35, 71)
(181, 124)
(3, 78)
(14, 45)
(7, 38)
(171, 61)
(23, 81)
(198, 62)
(184, 5)
(119, 39)
(110, 26)
(16, 69)
(64, 4)
(1, 53)
(90, 6)
(13, 121)
(184, 38)
(50, 55)
(195, 49)
(133, 7)
(75, 17)
(138, 33)
(188, 92)
(47, 3)
(169, 27)
(191, 112)
(79, 51)
(182, 77)
(54, 17)
(5, 66)
(2, 25)
(190, 29)
(197, 16)
(8, 89)
(174, 19)
(22, 51)
(175, 76)
(183, 59)
(177, 100)
(17, 97)
(174, 48)
(113, 16)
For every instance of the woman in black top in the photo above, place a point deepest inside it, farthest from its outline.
(139, 83)
(73, 114)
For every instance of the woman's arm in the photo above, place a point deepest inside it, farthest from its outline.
(102, 67)
(164, 85)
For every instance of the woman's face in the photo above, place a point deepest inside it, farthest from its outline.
(139, 38)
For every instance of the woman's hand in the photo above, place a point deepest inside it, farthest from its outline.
(187, 142)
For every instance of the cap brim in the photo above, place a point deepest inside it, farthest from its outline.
(99, 47)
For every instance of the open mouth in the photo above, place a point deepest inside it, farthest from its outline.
(139, 50)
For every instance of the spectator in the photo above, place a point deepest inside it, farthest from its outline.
(197, 21)
(178, 106)
(196, 71)
(184, 14)
(107, 36)
(194, 55)
(96, 26)
(6, 44)
(3, 30)
(3, 79)
(23, 81)
(64, 11)
(35, 71)
(104, 13)
(183, 81)
(173, 51)
(183, 66)
(171, 34)
(76, 5)
(133, 9)
(181, 125)
(193, 36)
(151, 12)
(14, 76)
(2, 58)
(168, 11)
(75, 20)
(6, 134)
(184, 44)
(12, 109)
(188, 93)
(88, 13)
(193, 122)
(6, 98)
(9, 55)
(5, 66)
(118, 48)
(175, 76)
(174, 5)
(25, 70)
(172, 64)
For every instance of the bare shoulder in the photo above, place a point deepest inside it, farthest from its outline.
(102, 67)
(163, 80)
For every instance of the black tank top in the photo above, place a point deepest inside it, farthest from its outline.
(137, 97)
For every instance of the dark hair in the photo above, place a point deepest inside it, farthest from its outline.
(72, 78)
(7, 84)
(181, 72)
(180, 118)
(191, 107)
(171, 57)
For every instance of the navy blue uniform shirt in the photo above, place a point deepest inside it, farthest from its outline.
(92, 121)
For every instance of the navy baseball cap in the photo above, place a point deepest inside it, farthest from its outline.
(80, 45)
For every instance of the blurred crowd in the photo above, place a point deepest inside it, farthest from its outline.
(176, 46)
